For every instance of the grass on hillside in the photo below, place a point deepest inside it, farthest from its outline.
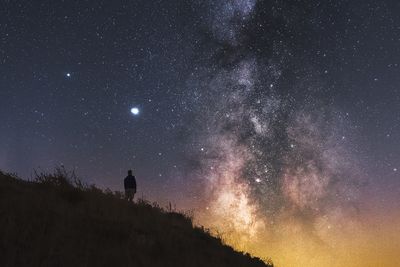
(56, 220)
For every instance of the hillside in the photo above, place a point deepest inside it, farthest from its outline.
(51, 222)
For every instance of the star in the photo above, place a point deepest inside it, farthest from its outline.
(135, 111)
(68, 75)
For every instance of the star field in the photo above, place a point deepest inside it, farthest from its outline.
(276, 122)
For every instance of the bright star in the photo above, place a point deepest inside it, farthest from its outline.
(135, 111)
(68, 75)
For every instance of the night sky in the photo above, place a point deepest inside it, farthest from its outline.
(277, 123)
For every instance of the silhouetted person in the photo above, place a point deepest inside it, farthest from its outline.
(130, 186)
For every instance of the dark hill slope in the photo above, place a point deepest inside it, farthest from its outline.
(51, 223)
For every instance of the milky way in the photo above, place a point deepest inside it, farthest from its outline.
(275, 156)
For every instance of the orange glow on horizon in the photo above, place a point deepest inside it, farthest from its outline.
(356, 243)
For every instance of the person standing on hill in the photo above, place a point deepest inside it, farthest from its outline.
(130, 186)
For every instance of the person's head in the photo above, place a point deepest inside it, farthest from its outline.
(130, 172)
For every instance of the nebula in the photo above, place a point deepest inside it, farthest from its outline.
(278, 173)
(264, 176)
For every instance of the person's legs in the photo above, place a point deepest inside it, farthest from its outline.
(129, 194)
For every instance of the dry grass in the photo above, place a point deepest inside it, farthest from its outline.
(56, 220)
